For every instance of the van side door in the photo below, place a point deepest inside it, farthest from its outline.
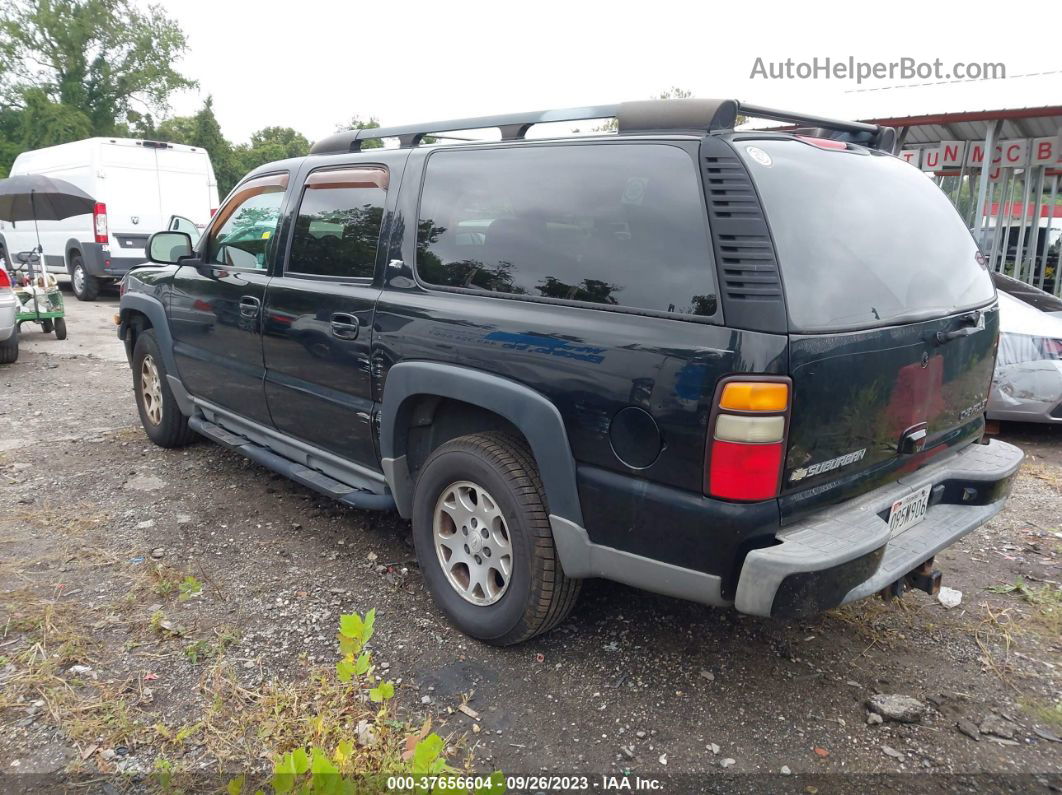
(319, 313)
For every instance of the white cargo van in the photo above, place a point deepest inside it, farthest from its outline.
(138, 187)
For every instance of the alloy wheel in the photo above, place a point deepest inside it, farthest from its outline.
(151, 390)
(472, 543)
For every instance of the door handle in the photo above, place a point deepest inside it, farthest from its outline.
(344, 326)
(249, 306)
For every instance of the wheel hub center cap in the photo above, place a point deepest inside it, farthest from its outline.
(475, 542)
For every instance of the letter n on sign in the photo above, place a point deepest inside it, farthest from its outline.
(952, 153)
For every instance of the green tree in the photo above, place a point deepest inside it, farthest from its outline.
(675, 93)
(269, 144)
(103, 58)
(289, 142)
(206, 133)
(175, 130)
(46, 123)
(356, 123)
(10, 123)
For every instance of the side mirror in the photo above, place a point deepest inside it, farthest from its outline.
(167, 248)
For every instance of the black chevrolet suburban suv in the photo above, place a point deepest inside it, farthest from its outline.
(741, 368)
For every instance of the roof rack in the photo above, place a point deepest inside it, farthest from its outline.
(654, 115)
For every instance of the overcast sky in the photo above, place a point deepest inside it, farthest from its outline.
(313, 64)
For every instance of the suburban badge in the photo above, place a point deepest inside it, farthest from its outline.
(825, 466)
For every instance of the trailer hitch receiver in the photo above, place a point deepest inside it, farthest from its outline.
(924, 578)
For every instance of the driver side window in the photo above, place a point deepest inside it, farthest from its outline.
(243, 235)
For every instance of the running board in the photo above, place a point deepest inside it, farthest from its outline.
(360, 496)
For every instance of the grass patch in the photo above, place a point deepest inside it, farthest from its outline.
(1050, 714)
(1044, 613)
(70, 520)
(1051, 475)
(53, 640)
(322, 724)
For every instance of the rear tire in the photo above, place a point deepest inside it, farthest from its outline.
(9, 348)
(60, 328)
(159, 413)
(497, 475)
(85, 286)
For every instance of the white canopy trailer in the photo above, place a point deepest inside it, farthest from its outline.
(138, 186)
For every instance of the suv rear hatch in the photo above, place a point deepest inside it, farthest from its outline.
(892, 317)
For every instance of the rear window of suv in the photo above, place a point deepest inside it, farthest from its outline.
(621, 225)
(863, 239)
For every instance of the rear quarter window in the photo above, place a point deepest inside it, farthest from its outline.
(613, 225)
(863, 238)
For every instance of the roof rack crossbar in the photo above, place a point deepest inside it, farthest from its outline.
(651, 115)
(759, 112)
(513, 126)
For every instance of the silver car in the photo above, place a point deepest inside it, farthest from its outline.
(1027, 386)
(8, 325)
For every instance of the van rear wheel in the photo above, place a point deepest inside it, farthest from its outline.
(86, 287)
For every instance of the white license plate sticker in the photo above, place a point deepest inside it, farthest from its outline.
(909, 511)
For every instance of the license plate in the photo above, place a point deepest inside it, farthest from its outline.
(909, 511)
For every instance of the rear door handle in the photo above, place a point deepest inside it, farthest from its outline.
(344, 326)
(249, 306)
(971, 324)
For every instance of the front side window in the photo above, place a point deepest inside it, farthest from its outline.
(242, 235)
(619, 225)
(338, 225)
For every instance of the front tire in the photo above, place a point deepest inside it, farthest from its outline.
(85, 286)
(60, 328)
(160, 415)
(483, 539)
(9, 348)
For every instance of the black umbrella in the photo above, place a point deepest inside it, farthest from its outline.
(33, 197)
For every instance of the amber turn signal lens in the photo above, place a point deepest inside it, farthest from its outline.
(755, 396)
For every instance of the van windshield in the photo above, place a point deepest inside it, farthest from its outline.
(863, 238)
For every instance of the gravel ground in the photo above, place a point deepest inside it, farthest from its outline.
(90, 511)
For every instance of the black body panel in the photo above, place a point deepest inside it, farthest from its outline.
(855, 394)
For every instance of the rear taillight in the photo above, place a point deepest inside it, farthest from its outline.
(746, 447)
(99, 222)
(5, 280)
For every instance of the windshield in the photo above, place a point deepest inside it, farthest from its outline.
(863, 238)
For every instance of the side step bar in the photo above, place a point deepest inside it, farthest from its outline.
(358, 496)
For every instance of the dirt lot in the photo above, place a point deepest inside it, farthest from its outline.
(98, 528)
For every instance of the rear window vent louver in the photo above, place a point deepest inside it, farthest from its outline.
(749, 271)
(748, 268)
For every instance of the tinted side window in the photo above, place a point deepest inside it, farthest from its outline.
(618, 224)
(242, 235)
(338, 225)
